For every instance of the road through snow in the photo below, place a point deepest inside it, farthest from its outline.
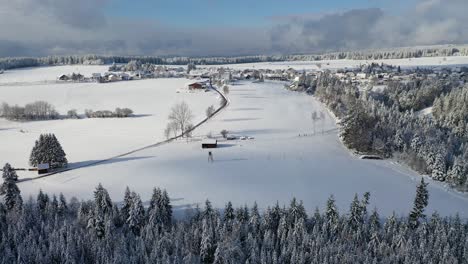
(225, 104)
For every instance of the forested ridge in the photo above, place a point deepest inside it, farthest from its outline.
(396, 53)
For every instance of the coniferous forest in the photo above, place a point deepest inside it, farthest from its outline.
(50, 229)
(387, 123)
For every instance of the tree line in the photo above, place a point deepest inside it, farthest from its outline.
(38, 110)
(41, 110)
(50, 229)
(395, 53)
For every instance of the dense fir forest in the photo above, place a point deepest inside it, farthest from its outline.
(50, 229)
(388, 123)
(396, 53)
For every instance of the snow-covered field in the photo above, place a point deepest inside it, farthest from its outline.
(276, 165)
(86, 140)
(44, 74)
(338, 64)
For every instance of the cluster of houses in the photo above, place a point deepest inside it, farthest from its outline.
(367, 75)
(383, 74)
(364, 76)
(71, 77)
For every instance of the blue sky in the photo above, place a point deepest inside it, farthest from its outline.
(231, 13)
(225, 27)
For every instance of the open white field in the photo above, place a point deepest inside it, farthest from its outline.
(43, 74)
(275, 166)
(339, 64)
(86, 140)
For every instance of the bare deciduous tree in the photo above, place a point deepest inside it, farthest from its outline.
(210, 111)
(226, 89)
(224, 133)
(181, 115)
(314, 118)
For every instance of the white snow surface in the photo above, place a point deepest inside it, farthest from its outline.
(276, 165)
(339, 64)
(90, 139)
(47, 74)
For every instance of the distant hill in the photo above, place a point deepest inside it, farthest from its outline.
(374, 54)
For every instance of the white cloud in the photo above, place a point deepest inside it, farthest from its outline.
(43, 27)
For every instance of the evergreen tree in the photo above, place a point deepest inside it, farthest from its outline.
(102, 211)
(160, 209)
(229, 212)
(127, 203)
(47, 149)
(208, 243)
(136, 215)
(420, 202)
(331, 211)
(62, 206)
(42, 201)
(9, 188)
(355, 217)
(457, 174)
(166, 211)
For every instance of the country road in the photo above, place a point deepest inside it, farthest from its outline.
(223, 106)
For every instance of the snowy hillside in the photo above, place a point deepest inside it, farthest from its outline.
(338, 64)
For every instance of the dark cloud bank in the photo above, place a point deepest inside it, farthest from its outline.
(48, 27)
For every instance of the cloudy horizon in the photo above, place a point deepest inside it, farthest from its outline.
(218, 28)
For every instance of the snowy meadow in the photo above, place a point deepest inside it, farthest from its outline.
(285, 154)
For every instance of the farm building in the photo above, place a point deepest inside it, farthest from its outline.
(125, 76)
(113, 78)
(196, 86)
(43, 168)
(64, 77)
(96, 76)
(209, 143)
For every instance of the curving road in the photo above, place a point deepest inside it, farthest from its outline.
(224, 105)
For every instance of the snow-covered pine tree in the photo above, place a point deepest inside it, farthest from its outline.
(47, 149)
(62, 206)
(355, 217)
(59, 156)
(420, 202)
(332, 213)
(127, 202)
(296, 212)
(160, 209)
(9, 189)
(102, 211)
(228, 212)
(42, 201)
(208, 243)
(457, 175)
(136, 214)
(166, 209)
(438, 168)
